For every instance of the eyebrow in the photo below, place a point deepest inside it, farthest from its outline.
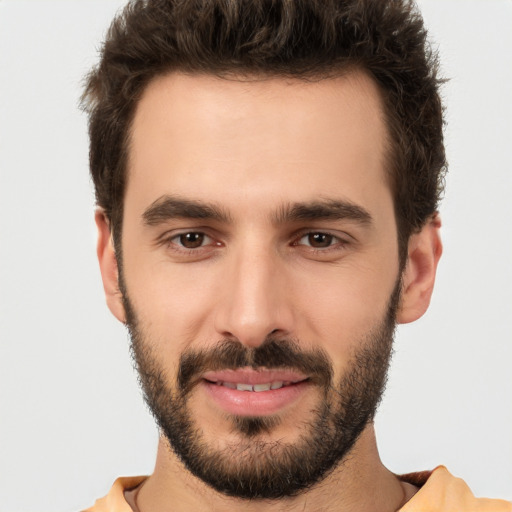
(169, 207)
(327, 209)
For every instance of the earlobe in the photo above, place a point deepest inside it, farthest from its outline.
(424, 250)
(108, 266)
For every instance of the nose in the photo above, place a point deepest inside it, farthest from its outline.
(254, 302)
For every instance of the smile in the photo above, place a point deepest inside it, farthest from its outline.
(249, 392)
(258, 388)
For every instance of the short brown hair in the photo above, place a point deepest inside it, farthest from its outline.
(289, 38)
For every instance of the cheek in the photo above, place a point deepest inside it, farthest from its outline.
(171, 302)
(339, 309)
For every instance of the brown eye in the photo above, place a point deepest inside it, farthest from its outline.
(319, 240)
(191, 240)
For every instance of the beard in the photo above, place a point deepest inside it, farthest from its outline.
(256, 466)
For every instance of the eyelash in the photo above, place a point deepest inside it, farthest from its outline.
(171, 242)
(337, 243)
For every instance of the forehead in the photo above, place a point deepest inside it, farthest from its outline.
(211, 138)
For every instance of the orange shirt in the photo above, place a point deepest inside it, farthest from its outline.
(440, 492)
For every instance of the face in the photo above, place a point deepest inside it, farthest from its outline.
(260, 272)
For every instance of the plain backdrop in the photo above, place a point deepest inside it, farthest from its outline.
(71, 415)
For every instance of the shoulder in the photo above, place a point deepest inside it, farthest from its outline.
(442, 492)
(115, 501)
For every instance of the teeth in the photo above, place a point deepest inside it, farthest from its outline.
(256, 387)
(262, 387)
(244, 387)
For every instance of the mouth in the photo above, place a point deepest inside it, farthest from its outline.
(257, 388)
(249, 392)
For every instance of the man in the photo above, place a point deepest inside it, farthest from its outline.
(268, 177)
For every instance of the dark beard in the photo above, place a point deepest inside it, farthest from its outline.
(255, 468)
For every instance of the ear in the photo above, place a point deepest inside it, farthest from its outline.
(108, 266)
(424, 250)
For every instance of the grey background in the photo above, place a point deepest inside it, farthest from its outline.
(71, 415)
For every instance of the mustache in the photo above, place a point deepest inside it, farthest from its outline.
(273, 353)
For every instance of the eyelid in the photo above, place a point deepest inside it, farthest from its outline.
(342, 238)
(168, 240)
(170, 233)
(179, 235)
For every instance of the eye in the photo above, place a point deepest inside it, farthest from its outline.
(191, 240)
(318, 240)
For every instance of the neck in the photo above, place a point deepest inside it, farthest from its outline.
(360, 483)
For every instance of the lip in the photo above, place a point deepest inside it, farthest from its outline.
(250, 376)
(254, 403)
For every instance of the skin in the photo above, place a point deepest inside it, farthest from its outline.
(253, 148)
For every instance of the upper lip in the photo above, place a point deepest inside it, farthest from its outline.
(252, 376)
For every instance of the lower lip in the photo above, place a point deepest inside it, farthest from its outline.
(254, 403)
